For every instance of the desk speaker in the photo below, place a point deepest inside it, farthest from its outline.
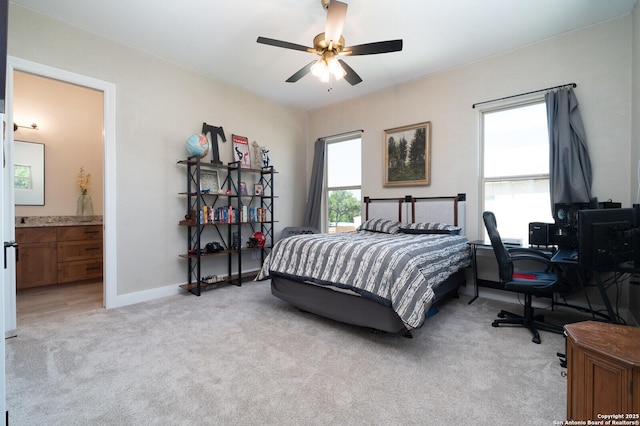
(542, 234)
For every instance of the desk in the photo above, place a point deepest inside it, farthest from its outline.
(477, 282)
(562, 260)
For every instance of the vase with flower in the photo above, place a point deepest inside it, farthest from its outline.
(84, 206)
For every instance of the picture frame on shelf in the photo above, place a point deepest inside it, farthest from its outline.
(242, 189)
(209, 181)
(258, 189)
(241, 151)
(415, 142)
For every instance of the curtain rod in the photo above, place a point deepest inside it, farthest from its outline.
(352, 132)
(527, 93)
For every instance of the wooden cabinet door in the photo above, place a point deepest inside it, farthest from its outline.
(37, 257)
(608, 386)
(603, 370)
(37, 265)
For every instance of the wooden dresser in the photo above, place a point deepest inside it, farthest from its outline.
(60, 254)
(603, 371)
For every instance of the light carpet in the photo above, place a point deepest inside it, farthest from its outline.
(240, 356)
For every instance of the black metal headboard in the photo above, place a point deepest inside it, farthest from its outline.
(409, 209)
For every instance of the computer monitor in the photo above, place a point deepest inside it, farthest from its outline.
(605, 237)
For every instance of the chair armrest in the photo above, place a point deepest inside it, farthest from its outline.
(530, 251)
(533, 258)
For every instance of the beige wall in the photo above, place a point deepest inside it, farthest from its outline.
(158, 105)
(69, 119)
(597, 59)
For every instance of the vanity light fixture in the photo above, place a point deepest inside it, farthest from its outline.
(33, 126)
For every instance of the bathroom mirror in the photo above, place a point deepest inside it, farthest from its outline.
(28, 173)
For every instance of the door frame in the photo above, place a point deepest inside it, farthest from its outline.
(3, 380)
(109, 158)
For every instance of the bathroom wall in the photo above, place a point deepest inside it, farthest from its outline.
(69, 120)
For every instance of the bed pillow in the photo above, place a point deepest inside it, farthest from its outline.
(386, 226)
(430, 228)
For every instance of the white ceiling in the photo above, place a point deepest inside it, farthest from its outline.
(218, 38)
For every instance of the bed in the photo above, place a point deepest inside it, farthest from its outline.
(408, 255)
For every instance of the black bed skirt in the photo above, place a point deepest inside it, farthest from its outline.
(349, 308)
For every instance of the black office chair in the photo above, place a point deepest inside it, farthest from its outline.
(542, 282)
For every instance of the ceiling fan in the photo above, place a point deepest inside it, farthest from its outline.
(329, 45)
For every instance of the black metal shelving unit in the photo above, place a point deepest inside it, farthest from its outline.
(229, 233)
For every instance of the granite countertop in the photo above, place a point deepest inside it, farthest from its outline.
(44, 221)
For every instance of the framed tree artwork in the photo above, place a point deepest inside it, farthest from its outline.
(407, 155)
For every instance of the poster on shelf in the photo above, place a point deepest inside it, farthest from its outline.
(241, 151)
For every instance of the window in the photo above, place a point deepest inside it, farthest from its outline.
(516, 167)
(343, 183)
(22, 177)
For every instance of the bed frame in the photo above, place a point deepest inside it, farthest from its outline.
(361, 311)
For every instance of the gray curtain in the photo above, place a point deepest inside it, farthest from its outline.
(313, 212)
(569, 165)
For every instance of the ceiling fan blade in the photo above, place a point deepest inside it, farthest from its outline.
(285, 44)
(301, 72)
(351, 76)
(374, 48)
(336, 14)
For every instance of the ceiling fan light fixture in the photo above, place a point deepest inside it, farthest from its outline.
(329, 44)
(325, 69)
(319, 69)
(336, 69)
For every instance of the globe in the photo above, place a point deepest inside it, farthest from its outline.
(197, 145)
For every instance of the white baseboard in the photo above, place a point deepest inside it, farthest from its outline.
(151, 294)
(144, 296)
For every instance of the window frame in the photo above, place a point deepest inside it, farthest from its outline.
(325, 185)
(500, 105)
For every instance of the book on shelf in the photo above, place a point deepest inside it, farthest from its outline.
(241, 150)
(230, 214)
(261, 214)
(224, 214)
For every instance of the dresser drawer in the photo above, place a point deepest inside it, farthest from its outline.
(79, 270)
(79, 250)
(75, 233)
(36, 235)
